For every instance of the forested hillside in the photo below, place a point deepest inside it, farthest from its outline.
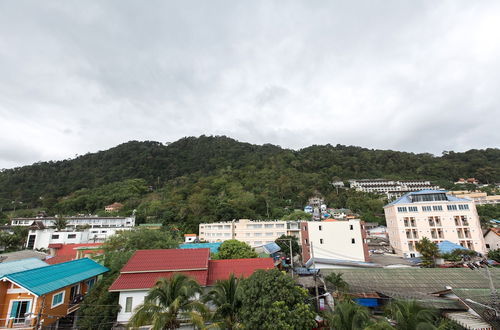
(210, 178)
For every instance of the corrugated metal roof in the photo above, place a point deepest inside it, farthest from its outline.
(271, 248)
(47, 279)
(137, 281)
(10, 267)
(167, 260)
(447, 247)
(477, 299)
(214, 247)
(220, 269)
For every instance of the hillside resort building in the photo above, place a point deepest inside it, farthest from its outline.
(436, 215)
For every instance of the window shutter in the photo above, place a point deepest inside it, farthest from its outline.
(13, 311)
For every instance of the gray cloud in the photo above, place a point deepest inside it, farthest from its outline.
(85, 76)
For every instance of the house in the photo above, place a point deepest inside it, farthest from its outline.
(190, 238)
(434, 214)
(67, 252)
(42, 296)
(115, 207)
(492, 239)
(145, 267)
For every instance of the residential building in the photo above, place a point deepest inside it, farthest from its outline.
(339, 240)
(340, 213)
(380, 232)
(492, 239)
(115, 207)
(391, 188)
(42, 238)
(478, 197)
(190, 238)
(79, 221)
(433, 214)
(66, 252)
(145, 267)
(42, 296)
(254, 233)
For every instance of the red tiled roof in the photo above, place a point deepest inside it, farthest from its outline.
(58, 259)
(190, 235)
(136, 281)
(220, 269)
(70, 249)
(167, 260)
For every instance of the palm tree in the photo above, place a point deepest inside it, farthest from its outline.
(60, 224)
(348, 316)
(224, 296)
(166, 302)
(409, 315)
(428, 250)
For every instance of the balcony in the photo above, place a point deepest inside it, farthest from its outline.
(75, 303)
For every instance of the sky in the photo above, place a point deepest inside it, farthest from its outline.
(83, 76)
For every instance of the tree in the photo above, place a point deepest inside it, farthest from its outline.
(270, 298)
(234, 249)
(166, 302)
(284, 243)
(297, 215)
(60, 224)
(338, 283)
(224, 296)
(409, 315)
(348, 316)
(428, 250)
(494, 254)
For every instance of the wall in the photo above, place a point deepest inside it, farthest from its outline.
(493, 241)
(137, 299)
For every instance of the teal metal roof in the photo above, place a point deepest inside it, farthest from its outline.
(10, 267)
(214, 247)
(47, 279)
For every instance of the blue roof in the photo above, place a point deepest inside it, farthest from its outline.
(447, 247)
(405, 199)
(271, 248)
(10, 267)
(47, 279)
(214, 247)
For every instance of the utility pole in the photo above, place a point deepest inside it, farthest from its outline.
(315, 279)
(39, 315)
(291, 256)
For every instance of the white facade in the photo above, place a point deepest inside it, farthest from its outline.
(254, 233)
(380, 231)
(92, 221)
(340, 240)
(135, 298)
(492, 239)
(41, 238)
(435, 215)
(392, 188)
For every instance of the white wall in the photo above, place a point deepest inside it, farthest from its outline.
(336, 239)
(91, 235)
(137, 299)
(492, 240)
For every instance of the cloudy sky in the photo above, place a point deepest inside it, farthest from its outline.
(82, 76)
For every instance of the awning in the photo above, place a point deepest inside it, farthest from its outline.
(55, 246)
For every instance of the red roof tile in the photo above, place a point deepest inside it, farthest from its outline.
(70, 249)
(58, 259)
(136, 281)
(220, 269)
(167, 260)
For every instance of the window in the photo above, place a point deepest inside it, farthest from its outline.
(451, 207)
(55, 236)
(463, 207)
(75, 289)
(280, 234)
(412, 209)
(319, 227)
(227, 227)
(320, 241)
(57, 299)
(258, 242)
(128, 304)
(351, 227)
(306, 241)
(90, 284)
(248, 234)
(18, 310)
(406, 222)
(71, 236)
(257, 234)
(226, 234)
(487, 246)
(269, 226)
(437, 207)
(402, 209)
(269, 234)
(257, 226)
(281, 225)
(353, 241)
(426, 208)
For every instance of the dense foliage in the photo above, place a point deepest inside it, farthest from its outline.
(234, 249)
(207, 179)
(429, 252)
(271, 300)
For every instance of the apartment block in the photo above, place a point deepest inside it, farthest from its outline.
(391, 188)
(254, 233)
(436, 215)
(91, 221)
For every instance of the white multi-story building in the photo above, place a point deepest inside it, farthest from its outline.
(254, 233)
(391, 188)
(478, 197)
(73, 222)
(42, 238)
(436, 215)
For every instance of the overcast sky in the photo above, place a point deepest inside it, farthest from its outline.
(83, 76)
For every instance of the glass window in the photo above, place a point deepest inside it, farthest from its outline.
(55, 236)
(320, 241)
(463, 207)
(437, 207)
(90, 284)
(402, 209)
(269, 226)
(319, 227)
(257, 234)
(71, 236)
(451, 207)
(128, 304)
(351, 227)
(353, 241)
(412, 209)
(281, 225)
(57, 299)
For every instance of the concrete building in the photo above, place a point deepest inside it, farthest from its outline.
(433, 214)
(92, 221)
(492, 239)
(391, 188)
(338, 240)
(254, 233)
(479, 197)
(42, 238)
